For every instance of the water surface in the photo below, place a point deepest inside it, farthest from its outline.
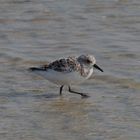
(33, 32)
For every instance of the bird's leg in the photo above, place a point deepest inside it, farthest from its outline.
(82, 94)
(61, 88)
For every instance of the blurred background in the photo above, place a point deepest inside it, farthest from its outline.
(34, 32)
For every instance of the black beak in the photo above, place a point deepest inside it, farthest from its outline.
(97, 67)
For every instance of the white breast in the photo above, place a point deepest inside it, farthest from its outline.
(62, 78)
(90, 73)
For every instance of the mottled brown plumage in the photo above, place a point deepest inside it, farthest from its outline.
(64, 65)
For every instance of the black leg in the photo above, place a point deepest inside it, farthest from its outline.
(82, 94)
(61, 88)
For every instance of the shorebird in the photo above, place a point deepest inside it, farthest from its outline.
(68, 71)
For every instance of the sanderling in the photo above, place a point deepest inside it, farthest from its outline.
(68, 71)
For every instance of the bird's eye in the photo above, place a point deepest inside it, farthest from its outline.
(88, 61)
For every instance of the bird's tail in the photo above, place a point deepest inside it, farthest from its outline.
(36, 69)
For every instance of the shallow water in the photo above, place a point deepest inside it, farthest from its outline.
(33, 32)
